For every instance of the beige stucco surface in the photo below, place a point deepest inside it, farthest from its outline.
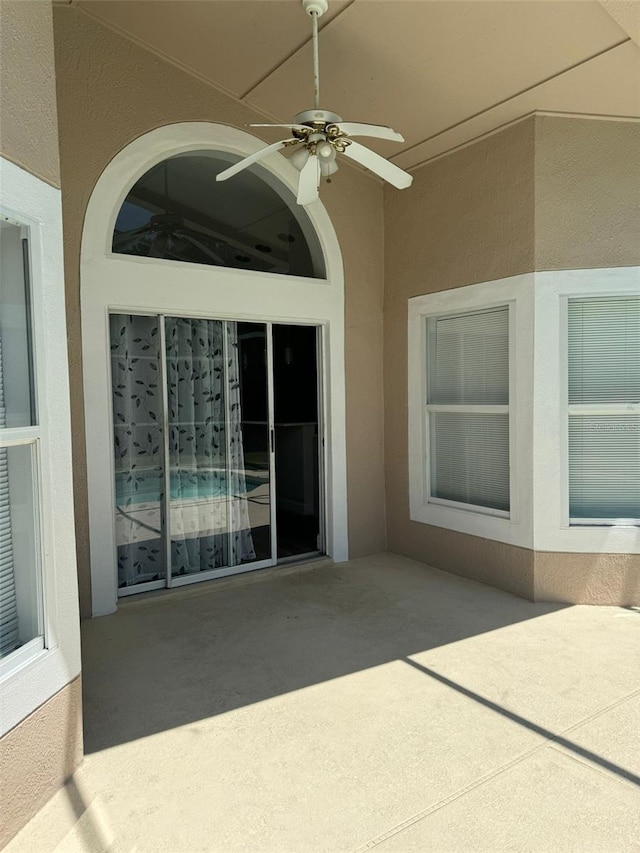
(28, 119)
(588, 578)
(468, 217)
(110, 91)
(38, 756)
(548, 193)
(587, 193)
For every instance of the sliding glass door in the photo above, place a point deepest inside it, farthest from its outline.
(192, 409)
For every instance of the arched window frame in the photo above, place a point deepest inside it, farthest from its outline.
(112, 282)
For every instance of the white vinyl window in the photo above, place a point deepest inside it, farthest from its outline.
(604, 410)
(21, 610)
(467, 409)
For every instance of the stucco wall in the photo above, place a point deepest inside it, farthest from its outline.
(587, 202)
(547, 193)
(110, 91)
(44, 749)
(468, 217)
(37, 756)
(587, 175)
(28, 119)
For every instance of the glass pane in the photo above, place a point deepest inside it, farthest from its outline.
(468, 357)
(218, 444)
(179, 212)
(138, 446)
(604, 350)
(16, 375)
(20, 597)
(196, 392)
(253, 482)
(604, 467)
(470, 458)
(295, 380)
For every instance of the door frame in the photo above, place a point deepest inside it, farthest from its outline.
(170, 581)
(113, 283)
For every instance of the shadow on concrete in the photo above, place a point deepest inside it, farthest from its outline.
(165, 662)
(575, 748)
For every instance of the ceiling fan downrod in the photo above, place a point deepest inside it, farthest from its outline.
(315, 8)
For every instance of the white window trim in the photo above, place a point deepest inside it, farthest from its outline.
(124, 283)
(35, 673)
(539, 451)
(515, 527)
(552, 529)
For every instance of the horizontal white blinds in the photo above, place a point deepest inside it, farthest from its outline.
(604, 467)
(470, 458)
(604, 446)
(604, 350)
(468, 370)
(8, 608)
(469, 356)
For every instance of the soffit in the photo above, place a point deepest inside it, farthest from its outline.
(442, 73)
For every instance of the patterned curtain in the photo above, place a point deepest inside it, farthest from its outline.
(208, 510)
(209, 516)
(138, 445)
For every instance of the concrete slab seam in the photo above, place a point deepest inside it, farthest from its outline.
(488, 777)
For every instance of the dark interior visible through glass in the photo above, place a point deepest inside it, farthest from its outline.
(177, 211)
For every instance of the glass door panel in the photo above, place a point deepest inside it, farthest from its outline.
(217, 481)
(250, 422)
(138, 448)
(197, 452)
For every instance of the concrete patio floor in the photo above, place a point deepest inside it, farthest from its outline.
(377, 704)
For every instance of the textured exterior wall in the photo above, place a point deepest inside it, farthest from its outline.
(587, 176)
(45, 748)
(468, 217)
(28, 118)
(548, 193)
(588, 578)
(38, 756)
(110, 91)
(587, 216)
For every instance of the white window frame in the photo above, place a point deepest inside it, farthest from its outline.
(553, 529)
(471, 408)
(514, 527)
(39, 669)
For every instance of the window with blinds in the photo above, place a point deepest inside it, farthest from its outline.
(21, 620)
(468, 410)
(604, 410)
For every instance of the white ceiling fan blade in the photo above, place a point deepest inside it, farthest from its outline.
(379, 131)
(253, 158)
(290, 126)
(309, 181)
(383, 168)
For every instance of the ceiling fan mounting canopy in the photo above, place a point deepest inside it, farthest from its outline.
(318, 136)
(315, 7)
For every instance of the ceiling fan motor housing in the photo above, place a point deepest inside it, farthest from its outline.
(312, 117)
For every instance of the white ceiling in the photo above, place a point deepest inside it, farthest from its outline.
(440, 72)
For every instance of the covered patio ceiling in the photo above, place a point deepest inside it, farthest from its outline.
(442, 73)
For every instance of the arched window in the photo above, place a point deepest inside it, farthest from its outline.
(177, 211)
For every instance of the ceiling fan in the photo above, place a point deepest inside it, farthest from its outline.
(318, 136)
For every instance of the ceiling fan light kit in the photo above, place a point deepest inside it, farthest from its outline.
(318, 136)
